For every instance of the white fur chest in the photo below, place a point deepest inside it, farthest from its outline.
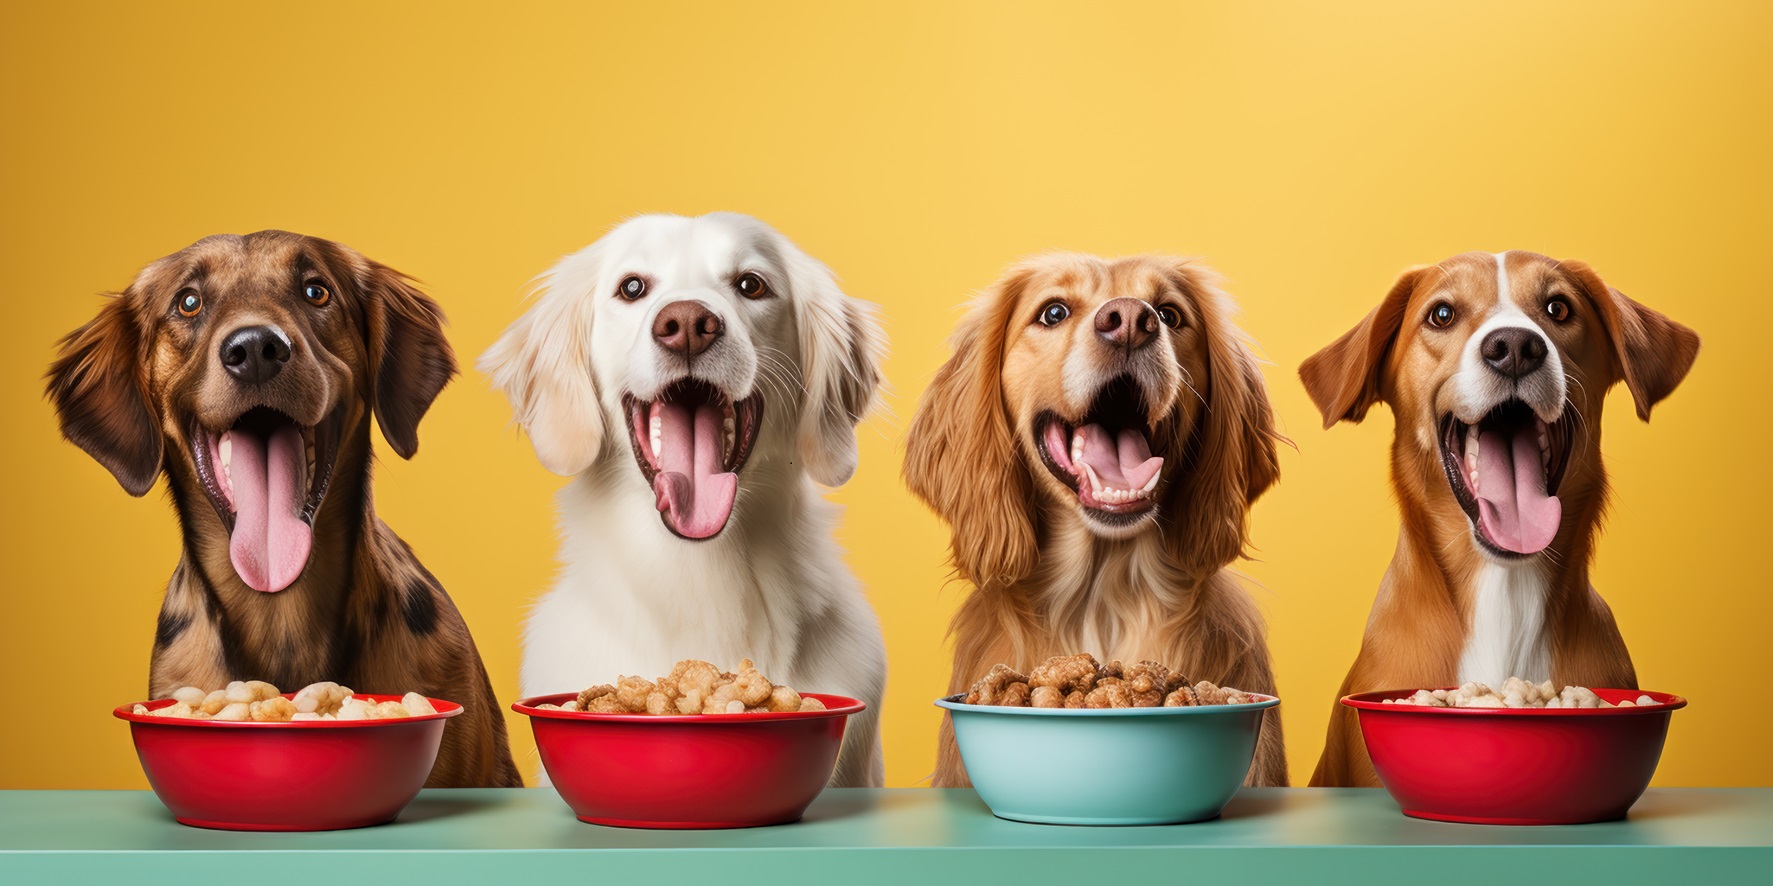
(1505, 636)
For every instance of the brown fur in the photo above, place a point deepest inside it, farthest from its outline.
(129, 388)
(1044, 582)
(1418, 626)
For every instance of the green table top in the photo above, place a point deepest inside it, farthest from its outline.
(891, 836)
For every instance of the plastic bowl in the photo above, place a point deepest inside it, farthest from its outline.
(692, 771)
(312, 775)
(1522, 766)
(1114, 766)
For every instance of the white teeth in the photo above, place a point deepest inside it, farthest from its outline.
(656, 434)
(1077, 446)
(1110, 495)
(728, 435)
(1150, 484)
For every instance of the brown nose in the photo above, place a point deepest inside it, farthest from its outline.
(1127, 323)
(1513, 351)
(687, 328)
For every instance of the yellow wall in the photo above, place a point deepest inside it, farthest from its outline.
(1308, 150)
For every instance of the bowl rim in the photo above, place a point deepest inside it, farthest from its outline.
(1374, 701)
(445, 710)
(953, 703)
(835, 706)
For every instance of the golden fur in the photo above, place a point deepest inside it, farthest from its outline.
(1046, 581)
(1419, 622)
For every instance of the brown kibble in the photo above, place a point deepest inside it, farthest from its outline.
(1046, 697)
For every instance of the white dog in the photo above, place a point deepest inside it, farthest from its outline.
(697, 376)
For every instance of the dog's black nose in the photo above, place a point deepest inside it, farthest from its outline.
(1127, 323)
(687, 328)
(1513, 351)
(255, 354)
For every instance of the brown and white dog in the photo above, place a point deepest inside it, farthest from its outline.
(247, 370)
(1495, 368)
(1095, 444)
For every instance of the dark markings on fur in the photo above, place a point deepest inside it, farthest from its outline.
(418, 608)
(169, 626)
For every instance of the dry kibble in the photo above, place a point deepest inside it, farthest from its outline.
(694, 687)
(260, 702)
(1080, 681)
(1514, 693)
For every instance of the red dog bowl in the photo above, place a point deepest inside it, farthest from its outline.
(694, 771)
(1515, 765)
(310, 775)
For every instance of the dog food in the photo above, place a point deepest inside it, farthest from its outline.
(260, 702)
(1515, 693)
(1080, 681)
(692, 687)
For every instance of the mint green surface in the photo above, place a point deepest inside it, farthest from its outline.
(1115, 766)
(925, 836)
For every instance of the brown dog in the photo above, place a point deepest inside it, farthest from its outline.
(246, 369)
(1095, 444)
(1495, 367)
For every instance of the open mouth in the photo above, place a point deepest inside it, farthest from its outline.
(691, 443)
(266, 475)
(1105, 456)
(1505, 472)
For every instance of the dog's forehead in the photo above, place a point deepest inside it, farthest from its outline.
(1098, 279)
(691, 249)
(226, 261)
(1483, 279)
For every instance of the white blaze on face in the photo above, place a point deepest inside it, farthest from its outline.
(1477, 388)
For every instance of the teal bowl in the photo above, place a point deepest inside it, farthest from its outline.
(1113, 766)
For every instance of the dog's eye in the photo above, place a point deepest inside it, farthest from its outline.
(316, 294)
(1171, 317)
(751, 286)
(1557, 308)
(1442, 315)
(1053, 314)
(631, 287)
(189, 302)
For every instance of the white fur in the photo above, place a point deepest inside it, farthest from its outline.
(633, 598)
(1477, 389)
(1506, 636)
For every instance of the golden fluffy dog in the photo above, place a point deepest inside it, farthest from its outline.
(1495, 367)
(1095, 444)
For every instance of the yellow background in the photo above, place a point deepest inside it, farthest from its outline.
(1309, 150)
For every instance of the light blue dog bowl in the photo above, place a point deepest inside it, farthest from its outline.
(1113, 766)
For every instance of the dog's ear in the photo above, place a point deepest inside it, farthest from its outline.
(409, 355)
(961, 456)
(1228, 457)
(1651, 352)
(100, 394)
(1343, 379)
(543, 365)
(841, 347)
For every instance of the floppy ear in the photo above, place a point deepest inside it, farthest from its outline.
(101, 396)
(841, 346)
(1651, 352)
(1229, 455)
(543, 365)
(961, 456)
(409, 354)
(1343, 379)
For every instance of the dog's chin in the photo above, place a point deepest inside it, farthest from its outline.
(267, 476)
(690, 443)
(1504, 472)
(1105, 459)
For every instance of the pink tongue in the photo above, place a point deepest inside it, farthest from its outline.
(1513, 508)
(1126, 463)
(270, 543)
(695, 496)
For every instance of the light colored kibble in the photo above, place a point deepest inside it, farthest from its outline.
(260, 702)
(1514, 693)
(693, 687)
